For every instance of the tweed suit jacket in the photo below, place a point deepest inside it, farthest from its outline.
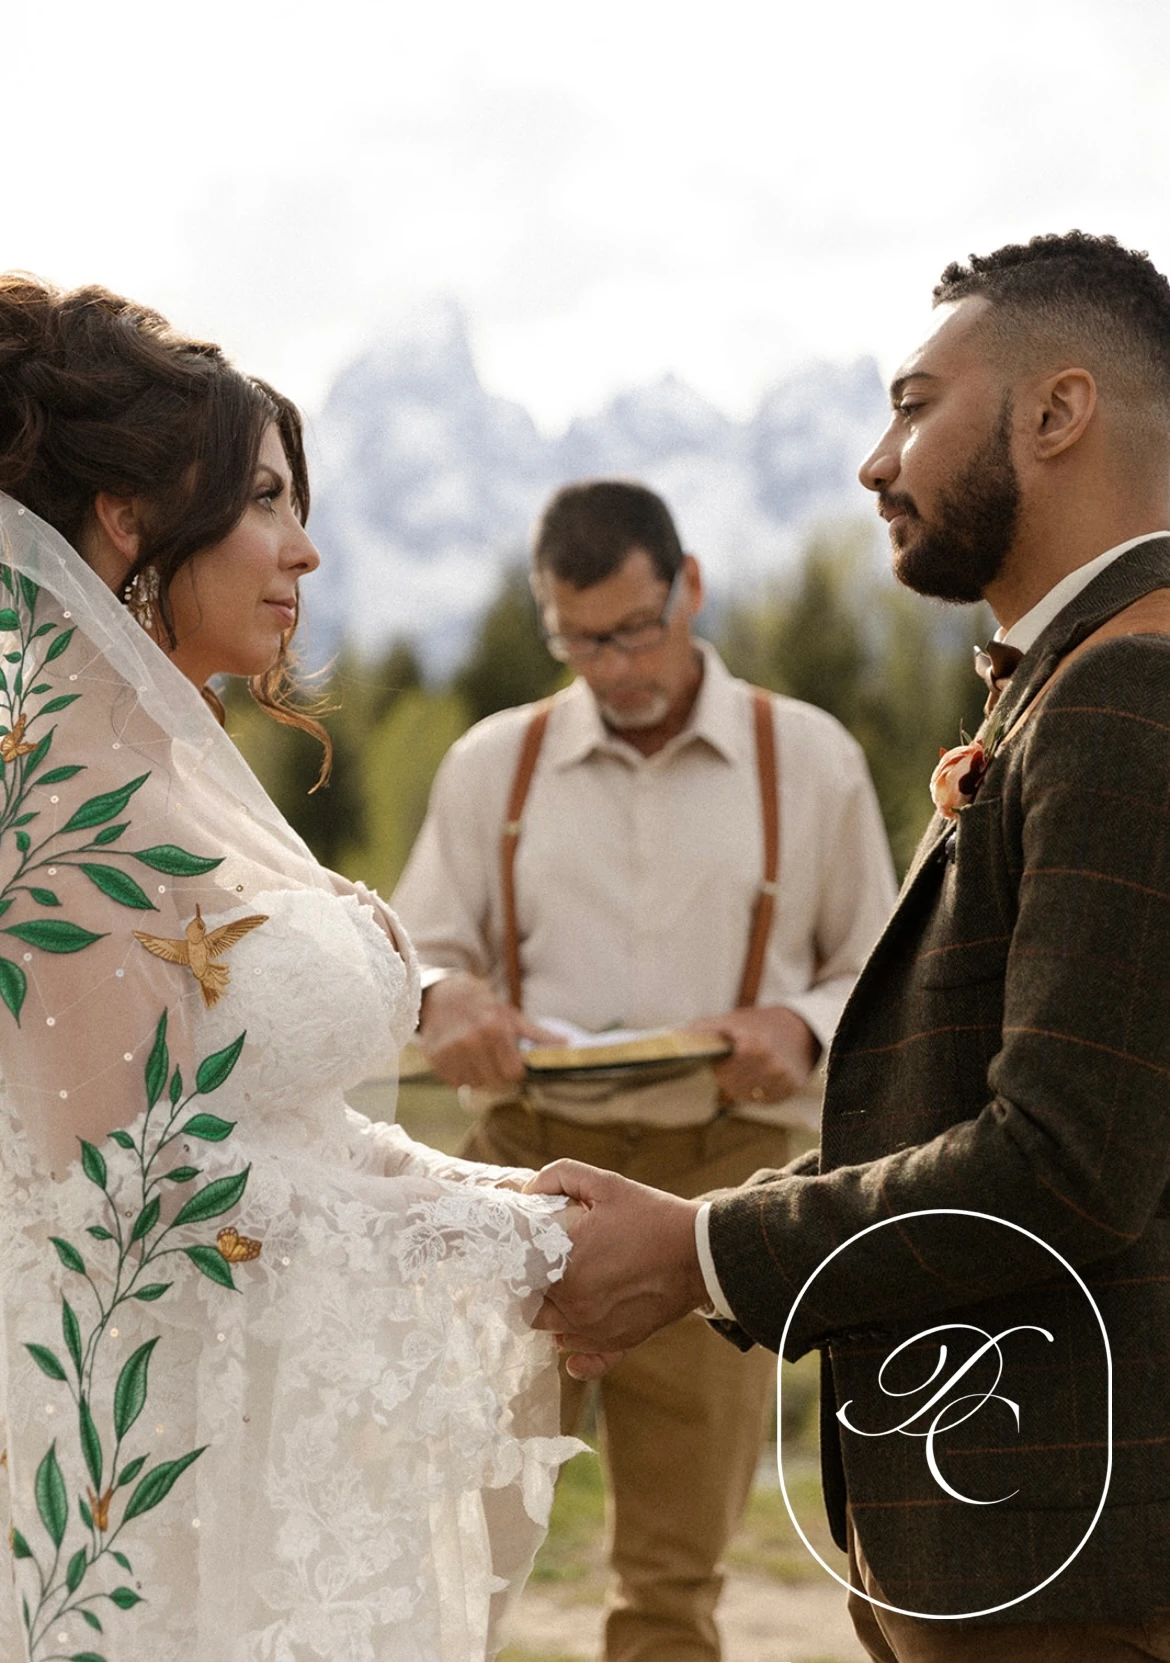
(1006, 1052)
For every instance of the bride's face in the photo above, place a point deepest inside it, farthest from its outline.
(233, 602)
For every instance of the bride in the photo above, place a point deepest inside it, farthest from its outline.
(266, 1385)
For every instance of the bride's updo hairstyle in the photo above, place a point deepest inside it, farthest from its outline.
(99, 394)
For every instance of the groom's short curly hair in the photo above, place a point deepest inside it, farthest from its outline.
(1079, 297)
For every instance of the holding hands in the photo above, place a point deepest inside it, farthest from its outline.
(634, 1266)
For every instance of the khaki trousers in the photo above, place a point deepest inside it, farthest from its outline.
(682, 1417)
(890, 1638)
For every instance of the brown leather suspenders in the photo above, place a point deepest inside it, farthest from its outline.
(753, 964)
(525, 768)
(765, 905)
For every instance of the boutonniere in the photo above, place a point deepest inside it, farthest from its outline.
(960, 771)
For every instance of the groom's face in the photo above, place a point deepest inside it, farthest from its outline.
(943, 470)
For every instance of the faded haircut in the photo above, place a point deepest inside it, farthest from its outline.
(1077, 299)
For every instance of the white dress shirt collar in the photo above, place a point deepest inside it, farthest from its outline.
(1031, 626)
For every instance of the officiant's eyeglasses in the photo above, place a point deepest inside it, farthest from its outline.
(633, 638)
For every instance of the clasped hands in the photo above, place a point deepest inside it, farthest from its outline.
(634, 1265)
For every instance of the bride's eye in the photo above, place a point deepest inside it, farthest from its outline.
(270, 495)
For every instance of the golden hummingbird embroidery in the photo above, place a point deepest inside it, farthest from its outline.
(200, 947)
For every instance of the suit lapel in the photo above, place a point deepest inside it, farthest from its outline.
(1126, 580)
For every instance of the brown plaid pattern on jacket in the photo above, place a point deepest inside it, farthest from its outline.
(1006, 1052)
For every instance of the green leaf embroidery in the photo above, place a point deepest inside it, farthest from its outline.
(25, 818)
(13, 986)
(87, 1657)
(209, 1127)
(46, 1362)
(72, 1331)
(9, 619)
(45, 897)
(216, 1198)
(37, 755)
(122, 1139)
(86, 1515)
(146, 1220)
(154, 1487)
(20, 1547)
(109, 833)
(124, 1598)
(127, 1476)
(99, 1232)
(91, 1445)
(58, 646)
(152, 1291)
(130, 1392)
(43, 687)
(29, 590)
(181, 1175)
(52, 935)
(94, 1622)
(168, 857)
(104, 807)
(214, 1070)
(93, 1164)
(44, 630)
(119, 886)
(76, 1571)
(123, 1561)
(56, 775)
(68, 1255)
(157, 1064)
(52, 1502)
(213, 1265)
(176, 1087)
(23, 842)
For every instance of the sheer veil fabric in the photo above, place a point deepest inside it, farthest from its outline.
(267, 1389)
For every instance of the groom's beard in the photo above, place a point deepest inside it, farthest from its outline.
(957, 554)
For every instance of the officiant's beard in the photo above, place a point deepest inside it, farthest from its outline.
(962, 548)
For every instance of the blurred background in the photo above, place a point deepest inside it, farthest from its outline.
(491, 248)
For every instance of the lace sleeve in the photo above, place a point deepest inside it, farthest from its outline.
(390, 1151)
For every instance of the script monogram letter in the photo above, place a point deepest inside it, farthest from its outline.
(938, 1413)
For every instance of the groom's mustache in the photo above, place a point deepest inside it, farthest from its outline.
(891, 503)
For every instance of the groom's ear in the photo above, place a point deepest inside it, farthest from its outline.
(113, 537)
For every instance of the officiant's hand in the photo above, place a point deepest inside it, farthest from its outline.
(775, 1052)
(634, 1265)
(470, 1037)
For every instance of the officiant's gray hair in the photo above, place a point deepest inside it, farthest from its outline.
(589, 529)
(1081, 295)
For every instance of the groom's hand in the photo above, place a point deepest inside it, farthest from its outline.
(634, 1265)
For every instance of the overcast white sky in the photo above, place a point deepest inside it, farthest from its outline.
(611, 190)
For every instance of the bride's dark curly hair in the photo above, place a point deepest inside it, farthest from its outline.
(99, 394)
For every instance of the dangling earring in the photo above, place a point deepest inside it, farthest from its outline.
(139, 594)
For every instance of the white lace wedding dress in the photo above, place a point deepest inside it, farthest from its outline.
(266, 1382)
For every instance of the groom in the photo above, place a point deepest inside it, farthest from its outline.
(1006, 1053)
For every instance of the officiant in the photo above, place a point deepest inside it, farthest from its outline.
(658, 846)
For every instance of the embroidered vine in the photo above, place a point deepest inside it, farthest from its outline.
(131, 1261)
(27, 698)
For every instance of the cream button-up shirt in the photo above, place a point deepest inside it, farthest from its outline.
(636, 877)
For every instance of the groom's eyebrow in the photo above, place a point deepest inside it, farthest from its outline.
(899, 386)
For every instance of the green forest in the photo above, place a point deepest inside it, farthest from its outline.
(839, 632)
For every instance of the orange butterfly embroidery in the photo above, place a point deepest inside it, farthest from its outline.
(200, 948)
(12, 742)
(237, 1249)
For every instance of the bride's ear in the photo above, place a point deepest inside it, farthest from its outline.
(113, 538)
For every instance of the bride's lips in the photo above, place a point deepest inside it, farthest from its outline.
(286, 611)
